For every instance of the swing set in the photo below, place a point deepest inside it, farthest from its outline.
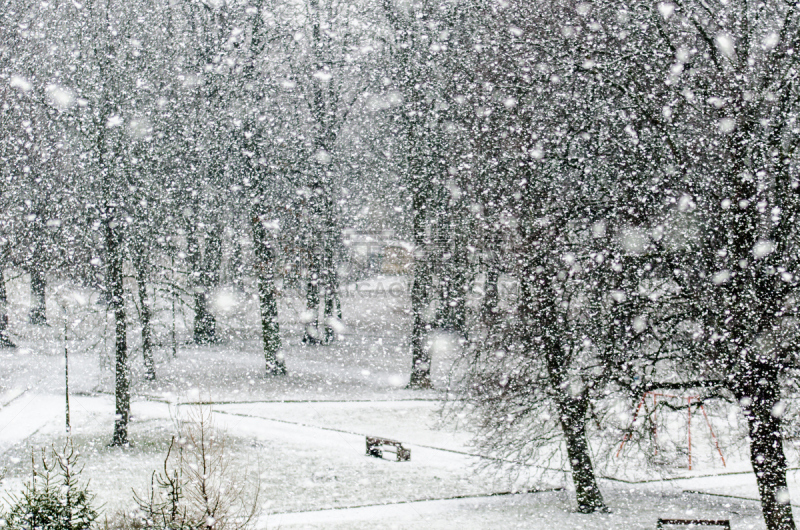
(656, 396)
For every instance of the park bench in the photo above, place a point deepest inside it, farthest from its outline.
(376, 446)
(724, 523)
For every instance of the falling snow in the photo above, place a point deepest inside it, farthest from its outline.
(549, 248)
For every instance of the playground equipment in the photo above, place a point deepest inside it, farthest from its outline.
(659, 395)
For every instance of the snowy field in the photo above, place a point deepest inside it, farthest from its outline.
(303, 436)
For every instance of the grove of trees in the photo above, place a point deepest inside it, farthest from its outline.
(632, 168)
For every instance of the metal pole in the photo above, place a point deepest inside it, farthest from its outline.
(628, 435)
(713, 436)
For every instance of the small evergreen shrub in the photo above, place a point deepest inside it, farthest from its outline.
(54, 498)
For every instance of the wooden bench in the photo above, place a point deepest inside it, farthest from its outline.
(724, 523)
(376, 446)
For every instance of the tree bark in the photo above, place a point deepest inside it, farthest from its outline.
(327, 313)
(270, 331)
(205, 324)
(311, 333)
(268, 300)
(236, 264)
(333, 306)
(539, 314)
(5, 340)
(454, 284)
(573, 423)
(420, 357)
(38, 316)
(205, 269)
(766, 450)
(146, 316)
(122, 391)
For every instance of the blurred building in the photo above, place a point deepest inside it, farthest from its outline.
(374, 253)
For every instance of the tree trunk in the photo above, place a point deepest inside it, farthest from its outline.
(38, 314)
(270, 331)
(5, 340)
(236, 264)
(311, 334)
(205, 324)
(766, 452)
(147, 328)
(122, 391)
(333, 306)
(539, 314)
(454, 283)
(327, 314)
(420, 357)
(573, 423)
(492, 296)
(212, 257)
(205, 270)
(268, 300)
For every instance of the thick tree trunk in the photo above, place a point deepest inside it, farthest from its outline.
(38, 314)
(147, 327)
(5, 340)
(122, 392)
(766, 452)
(268, 300)
(322, 274)
(333, 306)
(270, 331)
(205, 270)
(420, 357)
(454, 284)
(205, 324)
(573, 423)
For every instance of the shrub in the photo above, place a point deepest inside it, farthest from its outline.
(54, 498)
(197, 488)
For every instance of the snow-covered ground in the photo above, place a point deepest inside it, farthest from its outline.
(303, 436)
